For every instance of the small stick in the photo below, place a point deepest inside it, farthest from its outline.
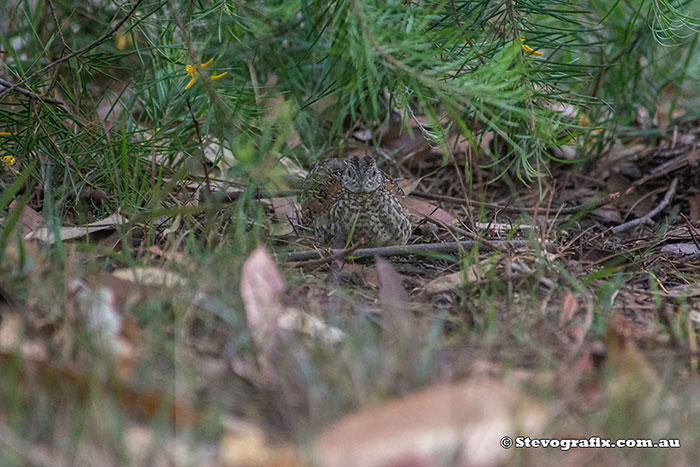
(30, 94)
(325, 259)
(398, 250)
(646, 219)
(569, 210)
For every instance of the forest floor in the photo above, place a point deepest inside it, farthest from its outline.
(569, 310)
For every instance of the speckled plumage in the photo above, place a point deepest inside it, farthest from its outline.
(338, 193)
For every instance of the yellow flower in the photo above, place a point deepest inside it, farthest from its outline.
(122, 41)
(529, 49)
(194, 73)
(8, 161)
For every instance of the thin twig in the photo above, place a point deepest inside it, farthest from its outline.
(327, 259)
(58, 25)
(646, 219)
(399, 250)
(513, 22)
(81, 51)
(569, 210)
(28, 93)
(64, 48)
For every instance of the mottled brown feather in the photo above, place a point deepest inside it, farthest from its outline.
(338, 193)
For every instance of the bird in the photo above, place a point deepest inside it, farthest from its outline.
(353, 199)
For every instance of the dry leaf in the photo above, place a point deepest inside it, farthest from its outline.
(281, 229)
(219, 156)
(293, 168)
(395, 303)
(680, 249)
(174, 256)
(67, 233)
(29, 218)
(424, 209)
(362, 135)
(452, 425)
(261, 290)
(621, 152)
(150, 276)
(299, 321)
(445, 283)
(456, 280)
(285, 208)
(409, 185)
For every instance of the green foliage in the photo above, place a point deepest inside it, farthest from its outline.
(459, 63)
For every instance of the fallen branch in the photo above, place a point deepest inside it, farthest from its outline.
(397, 250)
(646, 219)
(324, 259)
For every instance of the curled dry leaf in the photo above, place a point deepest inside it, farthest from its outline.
(362, 135)
(285, 208)
(218, 155)
(293, 168)
(261, 290)
(66, 233)
(150, 276)
(425, 209)
(29, 219)
(459, 424)
(457, 279)
(299, 321)
(409, 185)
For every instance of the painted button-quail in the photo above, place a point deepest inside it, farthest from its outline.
(340, 197)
